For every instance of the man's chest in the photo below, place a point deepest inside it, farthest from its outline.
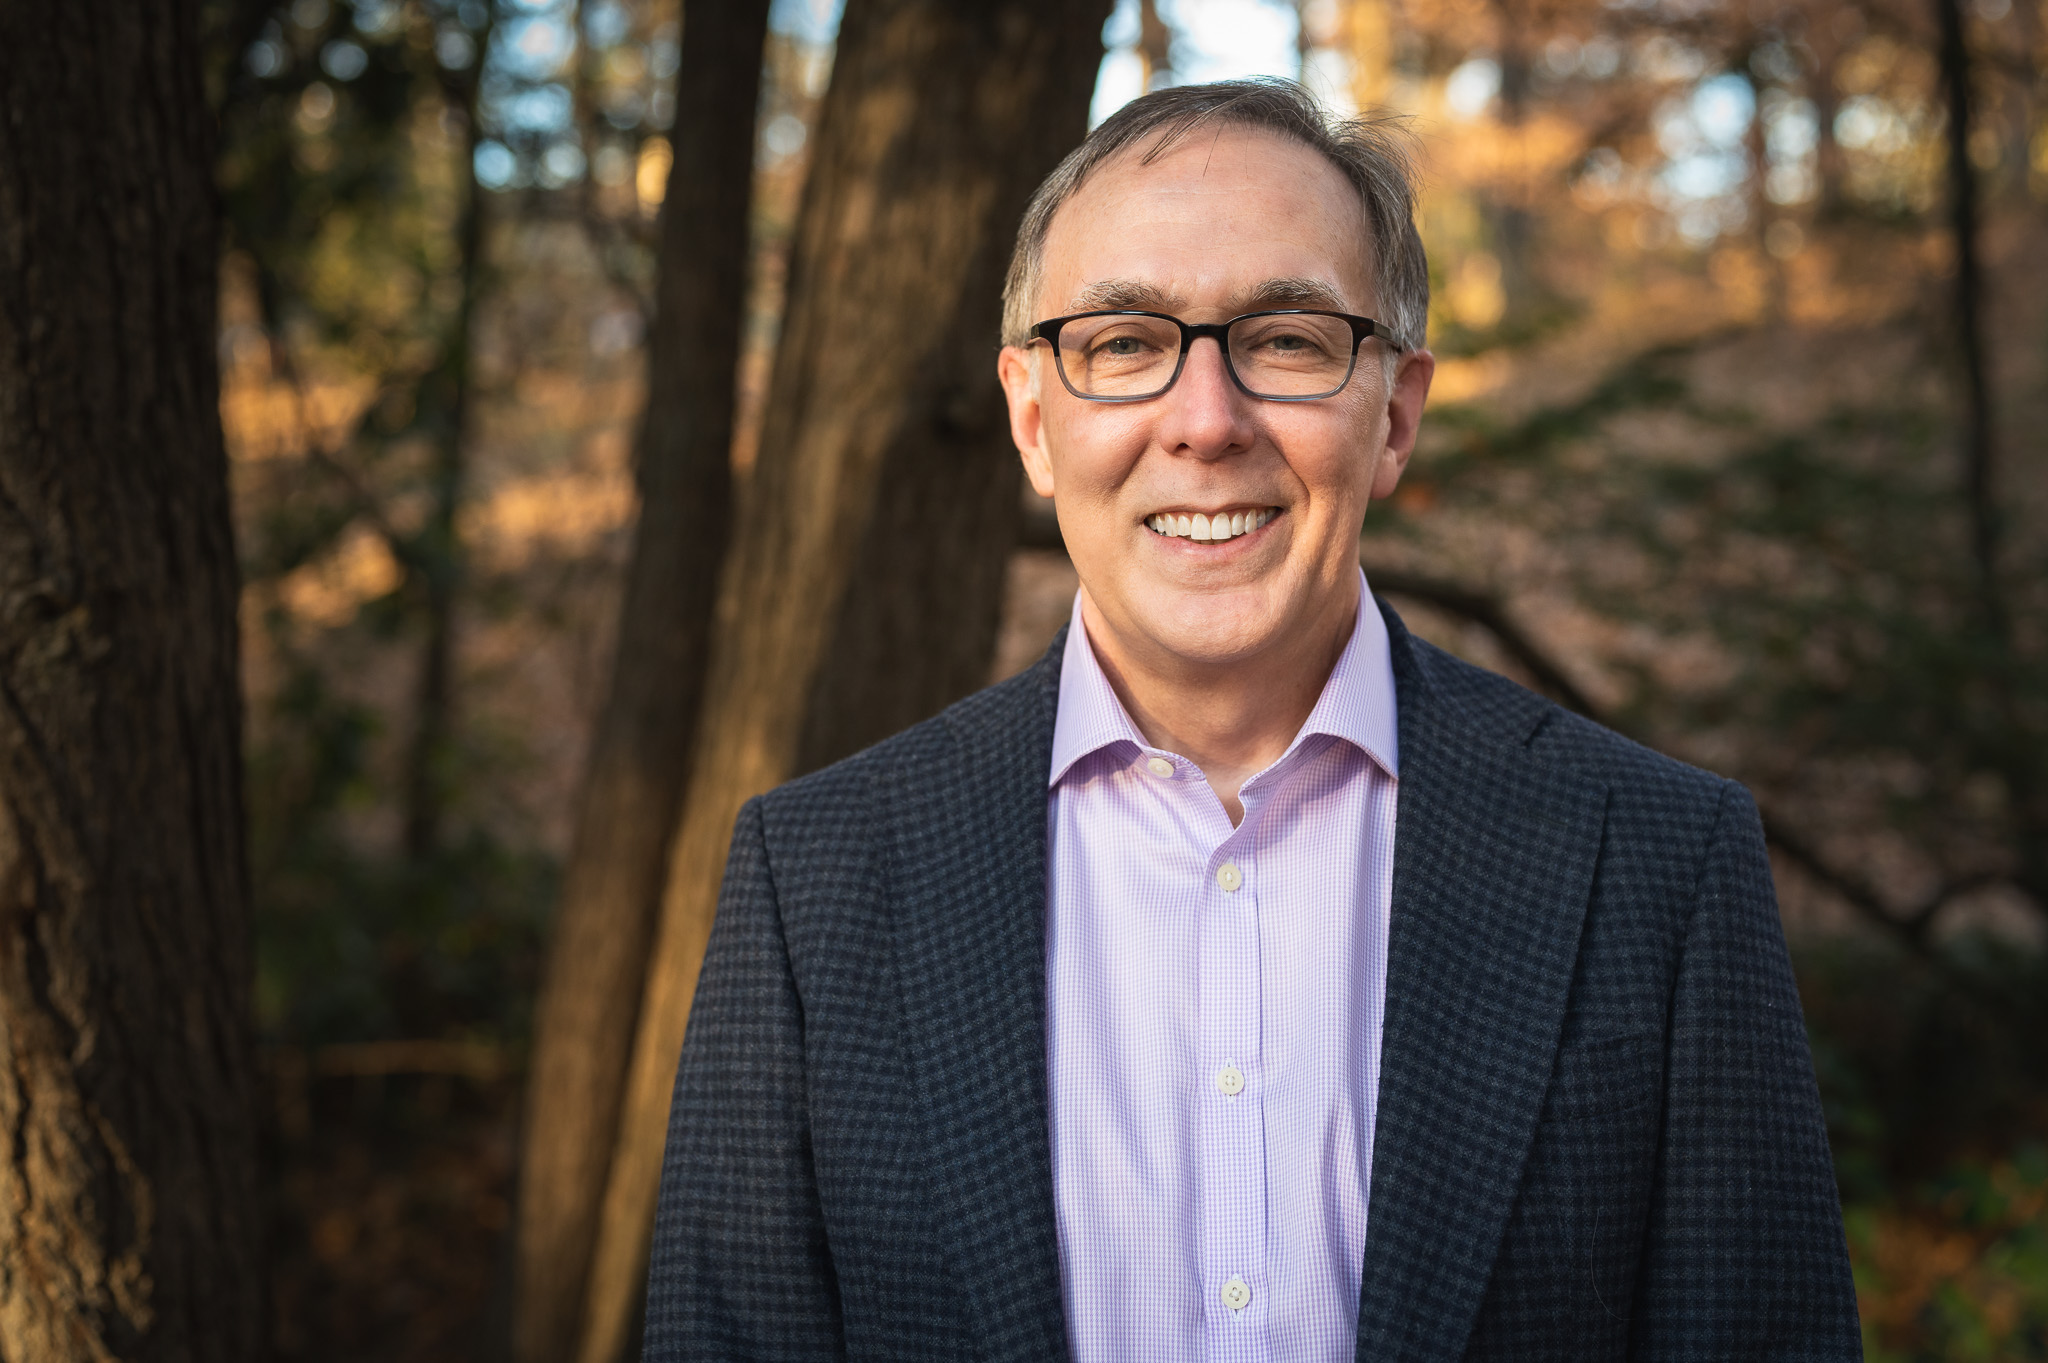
(1214, 997)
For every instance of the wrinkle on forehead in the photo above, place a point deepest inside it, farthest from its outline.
(1288, 292)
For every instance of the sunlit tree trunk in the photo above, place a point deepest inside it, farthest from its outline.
(940, 120)
(590, 996)
(1155, 46)
(128, 1223)
(1367, 29)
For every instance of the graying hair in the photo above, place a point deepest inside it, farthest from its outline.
(1375, 154)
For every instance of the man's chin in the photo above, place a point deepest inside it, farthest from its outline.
(1207, 630)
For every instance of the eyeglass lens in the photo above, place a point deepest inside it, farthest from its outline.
(1275, 355)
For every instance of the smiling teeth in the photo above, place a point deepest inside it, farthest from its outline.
(1206, 529)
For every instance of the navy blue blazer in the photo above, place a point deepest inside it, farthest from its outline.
(1598, 1131)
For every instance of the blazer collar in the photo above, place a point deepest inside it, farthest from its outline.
(1493, 866)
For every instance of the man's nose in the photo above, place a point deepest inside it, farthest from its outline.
(1207, 415)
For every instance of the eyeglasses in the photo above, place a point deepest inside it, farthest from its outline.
(1291, 355)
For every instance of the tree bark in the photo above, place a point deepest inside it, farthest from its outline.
(128, 1221)
(884, 423)
(604, 926)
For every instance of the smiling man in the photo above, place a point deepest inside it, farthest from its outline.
(1248, 979)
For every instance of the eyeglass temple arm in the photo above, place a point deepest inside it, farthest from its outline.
(1380, 329)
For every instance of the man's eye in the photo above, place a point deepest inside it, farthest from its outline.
(1120, 347)
(1289, 342)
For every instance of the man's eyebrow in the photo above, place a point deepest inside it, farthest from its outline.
(1124, 293)
(1288, 292)
(1293, 292)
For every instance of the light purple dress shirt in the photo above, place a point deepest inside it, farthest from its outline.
(1213, 1009)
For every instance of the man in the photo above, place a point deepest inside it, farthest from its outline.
(1248, 979)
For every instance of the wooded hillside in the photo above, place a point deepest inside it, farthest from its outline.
(564, 506)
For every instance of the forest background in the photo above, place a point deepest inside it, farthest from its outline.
(565, 520)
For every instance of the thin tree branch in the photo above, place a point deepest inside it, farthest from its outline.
(1922, 918)
(231, 29)
(605, 233)
(284, 363)
(1487, 612)
(1910, 931)
(1041, 531)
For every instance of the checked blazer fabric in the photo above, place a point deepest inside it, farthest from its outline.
(1598, 1135)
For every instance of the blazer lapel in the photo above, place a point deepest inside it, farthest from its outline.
(968, 878)
(1493, 865)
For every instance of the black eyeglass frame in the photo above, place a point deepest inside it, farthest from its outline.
(1190, 332)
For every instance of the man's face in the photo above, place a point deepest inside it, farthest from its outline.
(1224, 223)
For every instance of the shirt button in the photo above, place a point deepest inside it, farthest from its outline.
(1236, 1295)
(1229, 877)
(1231, 1081)
(1159, 766)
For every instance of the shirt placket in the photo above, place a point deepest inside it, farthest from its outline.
(1232, 1106)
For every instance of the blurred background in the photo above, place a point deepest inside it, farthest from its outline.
(1734, 445)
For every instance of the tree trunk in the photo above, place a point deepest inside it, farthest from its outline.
(1368, 34)
(884, 423)
(2016, 747)
(128, 1222)
(590, 997)
(1824, 33)
(435, 554)
(1155, 47)
(1969, 296)
(1514, 224)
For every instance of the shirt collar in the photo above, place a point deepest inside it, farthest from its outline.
(1356, 705)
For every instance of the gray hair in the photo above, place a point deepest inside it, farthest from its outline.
(1375, 154)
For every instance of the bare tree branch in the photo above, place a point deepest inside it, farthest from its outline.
(1486, 611)
(1041, 531)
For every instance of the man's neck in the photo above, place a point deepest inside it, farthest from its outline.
(1231, 721)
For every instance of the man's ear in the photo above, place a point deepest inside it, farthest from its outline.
(1018, 370)
(1404, 419)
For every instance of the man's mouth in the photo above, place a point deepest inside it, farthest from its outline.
(1210, 527)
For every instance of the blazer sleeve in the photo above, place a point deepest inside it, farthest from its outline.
(1745, 1257)
(739, 1267)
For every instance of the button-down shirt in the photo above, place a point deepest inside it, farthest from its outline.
(1213, 1008)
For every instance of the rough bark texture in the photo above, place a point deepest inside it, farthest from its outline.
(128, 1224)
(941, 118)
(590, 997)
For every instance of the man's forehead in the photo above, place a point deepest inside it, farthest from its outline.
(1241, 219)
(1291, 291)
